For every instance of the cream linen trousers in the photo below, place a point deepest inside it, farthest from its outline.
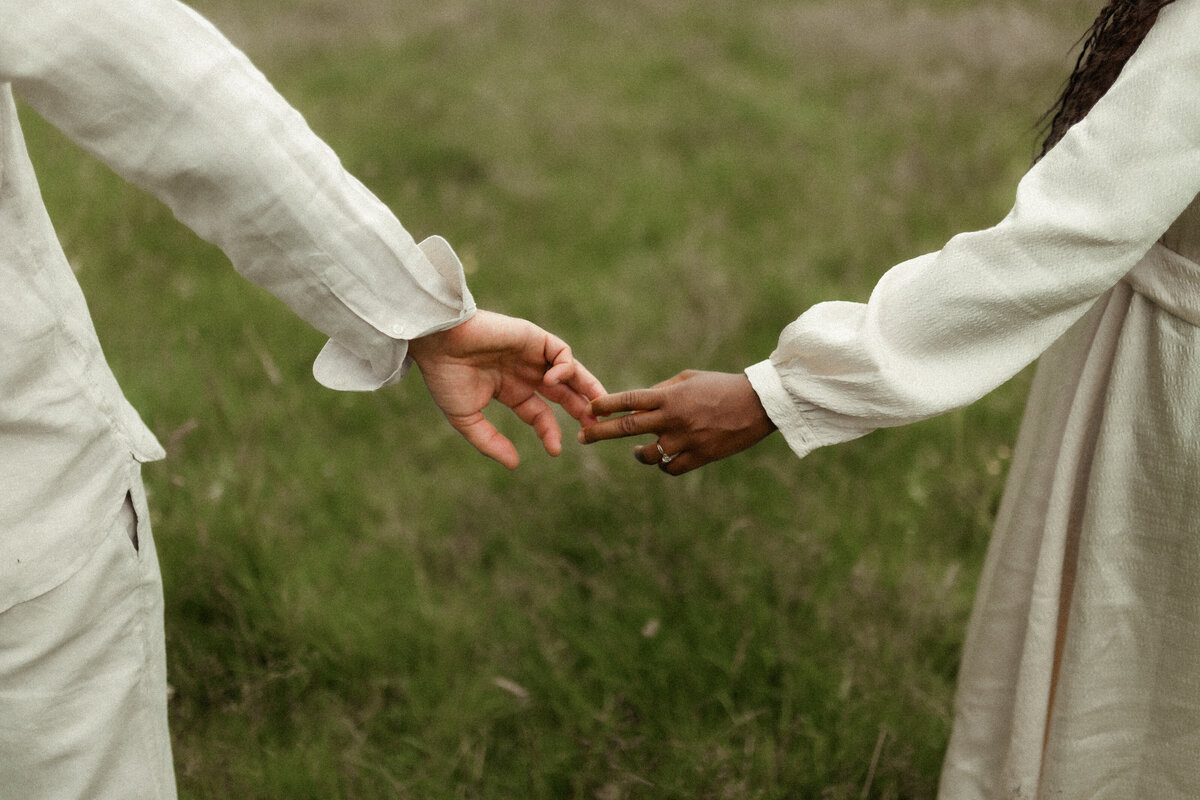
(83, 689)
(1081, 672)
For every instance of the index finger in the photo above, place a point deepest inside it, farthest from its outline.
(632, 400)
(573, 402)
(574, 378)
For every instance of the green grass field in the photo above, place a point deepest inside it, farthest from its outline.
(359, 606)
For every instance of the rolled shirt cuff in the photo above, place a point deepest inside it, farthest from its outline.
(387, 361)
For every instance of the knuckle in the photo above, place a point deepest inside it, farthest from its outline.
(629, 398)
(627, 424)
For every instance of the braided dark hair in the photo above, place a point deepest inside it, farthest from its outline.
(1108, 44)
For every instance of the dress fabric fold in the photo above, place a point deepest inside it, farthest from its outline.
(1079, 676)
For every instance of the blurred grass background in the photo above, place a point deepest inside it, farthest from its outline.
(359, 606)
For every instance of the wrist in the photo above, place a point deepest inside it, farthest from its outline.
(423, 346)
(437, 342)
(759, 422)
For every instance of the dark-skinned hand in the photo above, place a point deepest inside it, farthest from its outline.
(698, 417)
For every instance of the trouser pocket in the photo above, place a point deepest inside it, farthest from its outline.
(128, 520)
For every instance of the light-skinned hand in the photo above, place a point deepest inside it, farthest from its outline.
(493, 356)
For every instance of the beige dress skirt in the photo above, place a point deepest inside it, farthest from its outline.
(1081, 671)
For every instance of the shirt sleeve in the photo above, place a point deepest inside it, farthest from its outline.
(156, 92)
(940, 331)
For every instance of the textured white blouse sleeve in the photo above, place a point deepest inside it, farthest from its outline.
(157, 93)
(942, 330)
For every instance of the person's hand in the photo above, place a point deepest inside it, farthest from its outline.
(698, 417)
(491, 356)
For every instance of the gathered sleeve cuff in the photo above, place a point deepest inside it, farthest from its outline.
(804, 426)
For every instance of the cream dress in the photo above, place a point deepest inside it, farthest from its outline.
(1081, 671)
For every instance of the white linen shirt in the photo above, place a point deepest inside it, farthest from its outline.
(941, 330)
(159, 95)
